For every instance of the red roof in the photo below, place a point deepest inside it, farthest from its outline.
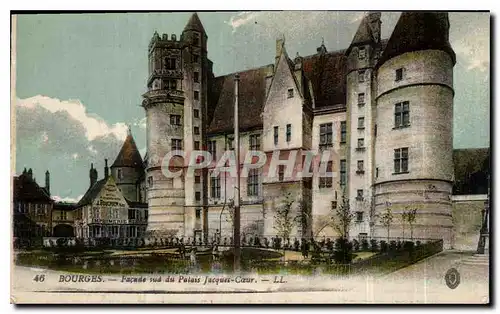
(129, 155)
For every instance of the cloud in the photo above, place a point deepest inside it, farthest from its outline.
(141, 123)
(470, 38)
(94, 125)
(62, 137)
(241, 19)
(59, 199)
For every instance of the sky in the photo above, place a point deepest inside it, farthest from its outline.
(80, 77)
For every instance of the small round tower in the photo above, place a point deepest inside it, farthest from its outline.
(414, 129)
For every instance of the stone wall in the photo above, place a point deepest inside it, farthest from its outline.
(467, 220)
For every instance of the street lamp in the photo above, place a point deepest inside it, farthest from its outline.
(483, 244)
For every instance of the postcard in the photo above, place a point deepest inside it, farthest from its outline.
(251, 157)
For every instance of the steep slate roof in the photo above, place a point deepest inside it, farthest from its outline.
(129, 155)
(327, 74)
(91, 193)
(252, 93)
(416, 31)
(26, 189)
(194, 24)
(471, 168)
(136, 204)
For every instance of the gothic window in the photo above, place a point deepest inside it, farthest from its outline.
(175, 119)
(402, 114)
(362, 53)
(253, 183)
(399, 74)
(215, 187)
(401, 160)
(326, 182)
(343, 132)
(281, 172)
(361, 98)
(325, 136)
(288, 132)
(361, 142)
(359, 216)
(343, 172)
(361, 123)
(255, 142)
(212, 148)
(176, 144)
(361, 76)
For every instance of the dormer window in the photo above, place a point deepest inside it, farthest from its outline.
(361, 53)
(196, 39)
(290, 93)
(399, 74)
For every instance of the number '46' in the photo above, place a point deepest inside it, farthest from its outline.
(39, 278)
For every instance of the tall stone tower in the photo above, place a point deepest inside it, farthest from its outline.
(362, 56)
(414, 116)
(175, 106)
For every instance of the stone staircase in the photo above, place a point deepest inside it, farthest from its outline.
(477, 260)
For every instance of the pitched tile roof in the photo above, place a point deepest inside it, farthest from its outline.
(327, 74)
(252, 92)
(26, 189)
(91, 193)
(129, 155)
(416, 31)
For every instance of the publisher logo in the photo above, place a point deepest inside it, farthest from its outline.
(452, 278)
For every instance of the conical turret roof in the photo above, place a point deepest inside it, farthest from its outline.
(419, 31)
(129, 155)
(194, 24)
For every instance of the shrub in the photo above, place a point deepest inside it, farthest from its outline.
(343, 251)
(364, 244)
(374, 245)
(296, 245)
(329, 245)
(383, 246)
(355, 245)
(256, 241)
(409, 246)
(418, 243)
(392, 246)
(399, 245)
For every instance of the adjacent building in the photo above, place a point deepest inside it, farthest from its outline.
(111, 207)
(32, 207)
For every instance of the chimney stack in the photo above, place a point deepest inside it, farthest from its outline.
(280, 44)
(375, 23)
(106, 169)
(92, 175)
(47, 181)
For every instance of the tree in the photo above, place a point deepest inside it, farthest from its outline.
(386, 220)
(404, 219)
(411, 217)
(303, 218)
(283, 217)
(343, 217)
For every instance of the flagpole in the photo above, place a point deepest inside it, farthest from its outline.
(236, 235)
